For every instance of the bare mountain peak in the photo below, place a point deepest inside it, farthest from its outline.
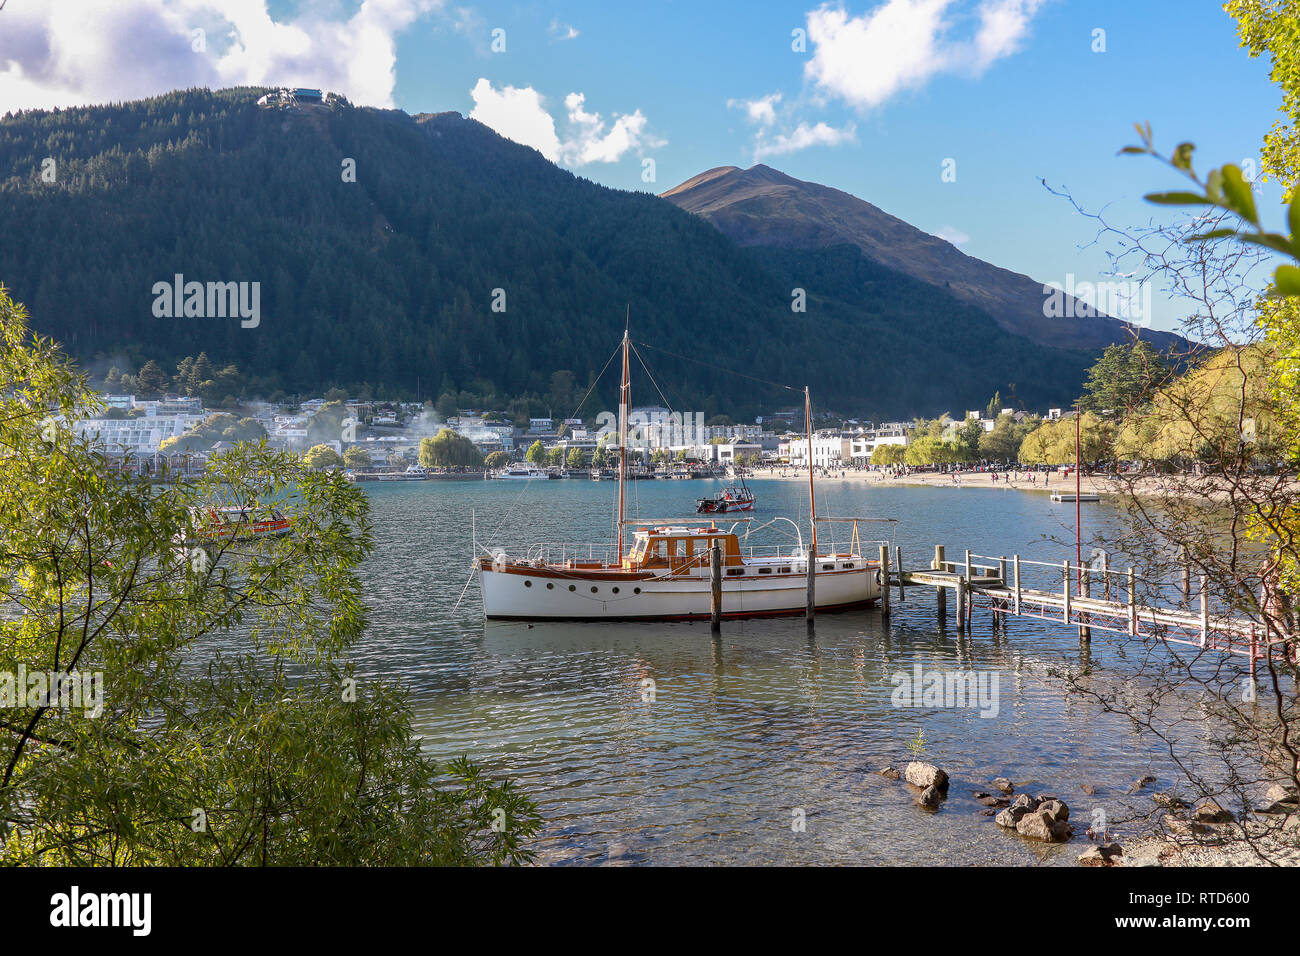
(762, 206)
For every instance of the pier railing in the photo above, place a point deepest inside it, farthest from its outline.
(1093, 596)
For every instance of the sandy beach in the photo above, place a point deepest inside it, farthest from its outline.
(1013, 481)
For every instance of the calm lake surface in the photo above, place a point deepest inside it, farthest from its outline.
(747, 730)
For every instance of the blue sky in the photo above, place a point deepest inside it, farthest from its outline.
(883, 92)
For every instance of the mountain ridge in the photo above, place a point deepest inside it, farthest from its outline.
(762, 206)
(387, 283)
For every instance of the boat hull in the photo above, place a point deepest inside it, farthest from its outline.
(517, 592)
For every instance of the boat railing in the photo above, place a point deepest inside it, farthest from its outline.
(588, 553)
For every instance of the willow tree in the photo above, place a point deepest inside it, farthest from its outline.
(171, 698)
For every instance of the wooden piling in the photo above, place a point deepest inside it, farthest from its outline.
(884, 579)
(940, 594)
(715, 582)
(962, 598)
(898, 564)
(1187, 578)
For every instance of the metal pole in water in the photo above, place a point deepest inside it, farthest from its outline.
(1085, 590)
(1132, 602)
(1205, 609)
(1067, 592)
(715, 590)
(1015, 571)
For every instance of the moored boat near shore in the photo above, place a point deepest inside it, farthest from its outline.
(668, 573)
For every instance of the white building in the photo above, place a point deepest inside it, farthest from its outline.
(829, 450)
(863, 444)
(139, 436)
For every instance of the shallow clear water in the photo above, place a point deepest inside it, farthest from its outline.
(746, 730)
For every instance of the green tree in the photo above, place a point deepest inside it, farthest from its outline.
(449, 449)
(498, 459)
(151, 381)
(319, 457)
(887, 455)
(536, 453)
(1002, 442)
(1124, 378)
(576, 458)
(356, 457)
(994, 407)
(447, 407)
(270, 752)
(1053, 442)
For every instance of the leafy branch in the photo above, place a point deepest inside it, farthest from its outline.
(1227, 188)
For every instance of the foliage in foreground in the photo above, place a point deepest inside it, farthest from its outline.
(228, 728)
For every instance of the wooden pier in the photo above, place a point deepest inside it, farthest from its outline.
(1090, 598)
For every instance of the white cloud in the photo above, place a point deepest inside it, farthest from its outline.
(562, 31)
(901, 44)
(520, 114)
(952, 234)
(590, 142)
(761, 111)
(517, 114)
(801, 137)
(76, 52)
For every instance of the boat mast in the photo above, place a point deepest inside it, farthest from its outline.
(623, 397)
(812, 493)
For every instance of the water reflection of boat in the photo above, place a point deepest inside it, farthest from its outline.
(666, 573)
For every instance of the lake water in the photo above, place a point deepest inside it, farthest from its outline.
(747, 732)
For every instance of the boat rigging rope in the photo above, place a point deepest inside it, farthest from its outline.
(529, 481)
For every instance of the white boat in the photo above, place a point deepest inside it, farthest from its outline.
(666, 572)
(521, 473)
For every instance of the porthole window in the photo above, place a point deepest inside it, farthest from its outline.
(573, 587)
(528, 584)
(550, 586)
(850, 565)
(615, 590)
(594, 589)
(732, 572)
(828, 567)
(764, 570)
(636, 590)
(785, 570)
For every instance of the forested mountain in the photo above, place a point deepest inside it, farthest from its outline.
(386, 283)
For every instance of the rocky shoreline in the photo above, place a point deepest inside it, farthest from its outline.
(1206, 834)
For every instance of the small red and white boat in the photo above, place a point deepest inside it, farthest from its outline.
(731, 499)
(235, 523)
